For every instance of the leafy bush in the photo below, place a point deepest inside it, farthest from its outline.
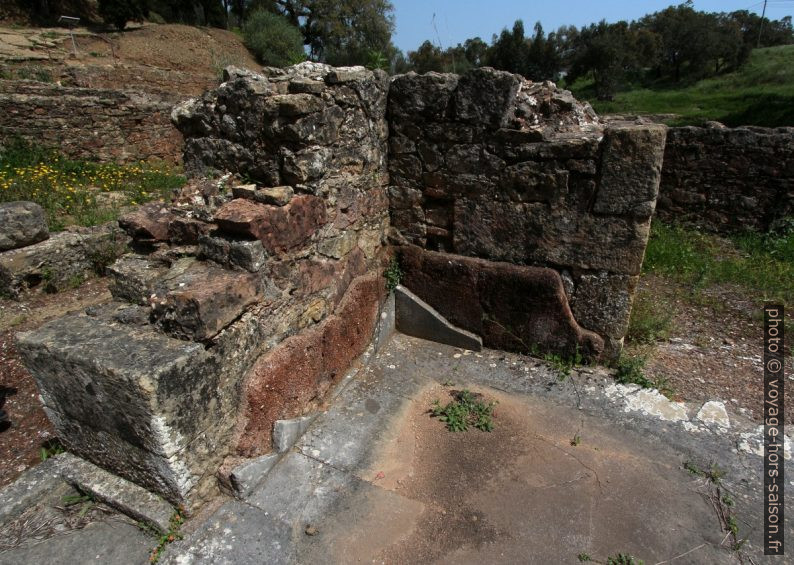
(119, 12)
(273, 40)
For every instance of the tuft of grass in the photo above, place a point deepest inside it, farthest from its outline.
(761, 263)
(630, 370)
(583, 557)
(759, 93)
(564, 364)
(71, 191)
(650, 321)
(466, 410)
(51, 448)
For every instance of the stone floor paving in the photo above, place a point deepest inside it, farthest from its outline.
(575, 466)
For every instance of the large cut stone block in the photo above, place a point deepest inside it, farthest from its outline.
(147, 407)
(279, 228)
(512, 307)
(284, 382)
(196, 300)
(631, 167)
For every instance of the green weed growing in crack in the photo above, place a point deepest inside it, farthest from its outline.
(564, 364)
(86, 500)
(624, 559)
(51, 448)
(583, 557)
(722, 502)
(393, 274)
(630, 370)
(468, 409)
(170, 536)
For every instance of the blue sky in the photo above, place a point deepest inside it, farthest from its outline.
(458, 20)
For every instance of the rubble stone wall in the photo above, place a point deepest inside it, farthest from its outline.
(242, 304)
(728, 180)
(518, 215)
(490, 165)
(98, 125)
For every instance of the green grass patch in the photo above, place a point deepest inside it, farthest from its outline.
(651, 319)
(467, 409)
(761, 263)
(630, 369)
(80, 192)
(759, 93)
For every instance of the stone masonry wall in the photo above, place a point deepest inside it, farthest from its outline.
(728, 180)
(98, 125)
(490, 165)
(241, 306)
(517, 215)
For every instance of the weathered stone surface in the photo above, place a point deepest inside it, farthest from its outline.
(484, 96)
(287, 432)
(163, 401)
(338, 246)
(21, 224)
(187, 231)
(149, 223)
(233, 252)
(523, 233)
(196, 300)
(95, 123)
(300, 370)
(126, 497)
(601, 302)
(631, 166)
(63, 259)
(727, 180)
(134, 278)
(247, 476)
(427, 95)
(278, 228)
(512, 307)
(417, 318)
(30, 488)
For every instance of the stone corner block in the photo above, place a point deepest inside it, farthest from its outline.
(417, 318)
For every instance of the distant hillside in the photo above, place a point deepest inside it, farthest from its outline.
(760, 93)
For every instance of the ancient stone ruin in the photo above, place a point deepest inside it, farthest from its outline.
(513, 211)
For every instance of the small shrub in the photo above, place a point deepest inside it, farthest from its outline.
(624, 559)
(39, 74)
(119, 12)
(273, 40)
(393, 274)
(51, 448)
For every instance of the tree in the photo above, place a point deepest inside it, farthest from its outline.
(476, 51)
(339, 32)
(610, 52)
(119, 12)
(427, 58)
(273, 40)
(510, 51)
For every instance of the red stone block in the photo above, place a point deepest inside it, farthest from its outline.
(279, 228)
